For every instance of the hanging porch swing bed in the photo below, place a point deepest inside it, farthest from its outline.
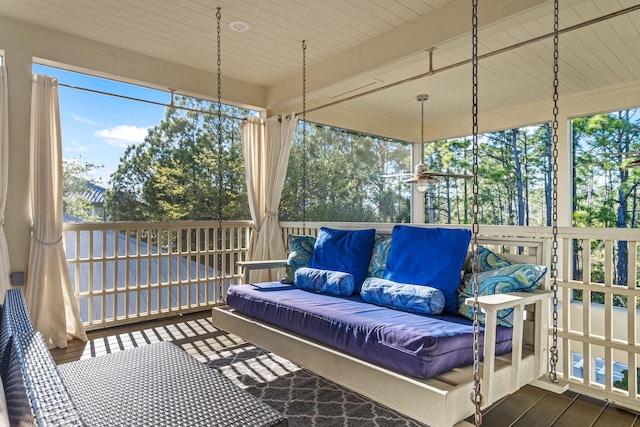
(409, 332)
(419, 364)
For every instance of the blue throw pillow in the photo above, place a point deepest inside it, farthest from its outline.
(301, 248)
(511, 278)
(429, 256)
(487, 260)
(412, 298)
(348, 251)
(324, 281)
(378, 262)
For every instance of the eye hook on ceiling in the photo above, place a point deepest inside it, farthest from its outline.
(430, 50)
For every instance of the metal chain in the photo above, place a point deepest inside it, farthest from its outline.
(219, 245)
(304, 135)
(553, 351)
(476, 394)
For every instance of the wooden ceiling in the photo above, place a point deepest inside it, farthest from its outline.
(354, 46)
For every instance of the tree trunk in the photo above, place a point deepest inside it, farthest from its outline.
(549, 177)
(518, 172)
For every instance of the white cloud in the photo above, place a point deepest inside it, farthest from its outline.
(123, 135)
(74, 145)
(83, 120)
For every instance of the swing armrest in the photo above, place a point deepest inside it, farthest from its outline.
(497, 302)
(247, 266)
(490, 304)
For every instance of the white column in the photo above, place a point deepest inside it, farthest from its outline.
(417, 199)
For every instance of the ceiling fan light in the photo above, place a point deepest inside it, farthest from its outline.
(422, 185)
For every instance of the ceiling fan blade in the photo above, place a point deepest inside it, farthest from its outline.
(633, 164)
(417, 178)
(450, 175)
(395, 175)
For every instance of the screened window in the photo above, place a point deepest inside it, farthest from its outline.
(350, 177)
(130, 157)
(514, 178)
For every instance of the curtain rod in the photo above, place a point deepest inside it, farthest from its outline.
(147, 101)
(483, 56)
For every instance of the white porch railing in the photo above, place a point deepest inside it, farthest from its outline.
(130, 272)
(158, 269)
(598, 340)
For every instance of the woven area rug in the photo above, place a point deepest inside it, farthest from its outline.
(303, 397)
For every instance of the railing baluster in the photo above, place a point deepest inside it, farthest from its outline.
(632, 314)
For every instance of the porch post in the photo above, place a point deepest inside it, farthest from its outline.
(417, 198)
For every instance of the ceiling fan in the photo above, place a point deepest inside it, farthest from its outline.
(422, 177)
(632, 160)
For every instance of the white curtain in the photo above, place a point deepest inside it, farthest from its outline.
(266, 157)
(5, 267)
(52, 304)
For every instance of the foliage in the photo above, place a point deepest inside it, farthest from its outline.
(513, 179)
(605, 191)
(175, 173)
(624, 383)
(344, 177)
(77, 174)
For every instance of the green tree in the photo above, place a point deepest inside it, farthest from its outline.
(344, 177)
(175, 174)
(77, 174)
(512, 172)
(604, 189)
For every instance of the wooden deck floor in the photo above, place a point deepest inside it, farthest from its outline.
(529, 407)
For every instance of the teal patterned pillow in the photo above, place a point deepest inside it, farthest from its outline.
(300, 256)
(487, 260)
(379, 255)
(511, 278)
(412, 298)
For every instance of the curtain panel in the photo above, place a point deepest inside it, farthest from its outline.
(266, 157)
(50, 298)
(5, 266)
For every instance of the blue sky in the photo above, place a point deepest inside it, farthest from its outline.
(98, 127)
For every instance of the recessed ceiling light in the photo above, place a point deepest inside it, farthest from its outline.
(239, 26)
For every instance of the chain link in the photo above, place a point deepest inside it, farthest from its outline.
(304, 135)
(476, 395)
(219, 245)
(553, 351)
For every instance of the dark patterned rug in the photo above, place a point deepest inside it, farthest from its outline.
(303, 397)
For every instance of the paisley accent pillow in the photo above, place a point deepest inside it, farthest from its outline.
(324, 281)
(413, 298)
(300, 256)
(379, 255)
(487, 260)
(511, 278)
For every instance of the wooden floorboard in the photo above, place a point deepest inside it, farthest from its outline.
(583, 412)
(615, 417)
(510, 409)
(528, 407)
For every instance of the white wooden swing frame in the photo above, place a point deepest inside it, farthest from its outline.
(439, 401)
(443, 400)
